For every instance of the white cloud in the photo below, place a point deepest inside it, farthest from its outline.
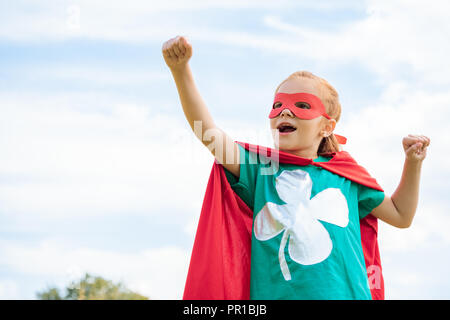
(138, 21)
(416, 272)
(375, 134)
(88, 74)
(65, 160)
(158, 273)
(394, 35)
(9, 290)
(427, 231)
(396, 39)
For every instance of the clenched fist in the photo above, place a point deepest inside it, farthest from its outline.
(177, 52)
(415, 147)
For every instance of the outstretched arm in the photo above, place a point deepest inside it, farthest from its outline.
(399, 209)
(177, 52)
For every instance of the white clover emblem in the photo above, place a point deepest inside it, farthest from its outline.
(309, 241)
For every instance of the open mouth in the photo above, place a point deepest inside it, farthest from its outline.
(286, 128)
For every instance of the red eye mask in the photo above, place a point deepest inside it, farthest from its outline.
(304, 105)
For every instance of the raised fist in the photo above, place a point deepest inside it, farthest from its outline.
(177, 52)
(415, 146)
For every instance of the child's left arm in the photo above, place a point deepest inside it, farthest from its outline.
(399, 209)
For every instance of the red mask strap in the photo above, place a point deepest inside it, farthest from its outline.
(340, 139)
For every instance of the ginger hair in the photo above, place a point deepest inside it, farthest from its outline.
(330, 99)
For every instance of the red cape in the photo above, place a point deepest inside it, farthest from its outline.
(220, 260)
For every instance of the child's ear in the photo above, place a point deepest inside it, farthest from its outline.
(329, 125)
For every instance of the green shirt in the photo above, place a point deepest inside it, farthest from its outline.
(306, 241)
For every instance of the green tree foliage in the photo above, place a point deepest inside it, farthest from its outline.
(91, 288)
(49, 294)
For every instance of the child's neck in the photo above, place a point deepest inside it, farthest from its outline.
(307, 154)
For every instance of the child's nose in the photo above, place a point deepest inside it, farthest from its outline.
(287, 112)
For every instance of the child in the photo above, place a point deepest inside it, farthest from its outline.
(305, 231)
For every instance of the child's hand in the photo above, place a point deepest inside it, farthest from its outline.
(415, 147)
(177, 52)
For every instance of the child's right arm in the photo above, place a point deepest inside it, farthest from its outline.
(177, 52)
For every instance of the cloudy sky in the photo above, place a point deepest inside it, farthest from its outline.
(100, 173)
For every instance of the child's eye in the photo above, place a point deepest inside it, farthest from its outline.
(277, 105)
(302, 105)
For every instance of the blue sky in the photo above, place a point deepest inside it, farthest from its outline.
(99, 170)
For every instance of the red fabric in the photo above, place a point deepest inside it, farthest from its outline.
(369, 232)
(220, 260)
(340, 139)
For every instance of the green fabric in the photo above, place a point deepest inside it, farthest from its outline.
(342, 274)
